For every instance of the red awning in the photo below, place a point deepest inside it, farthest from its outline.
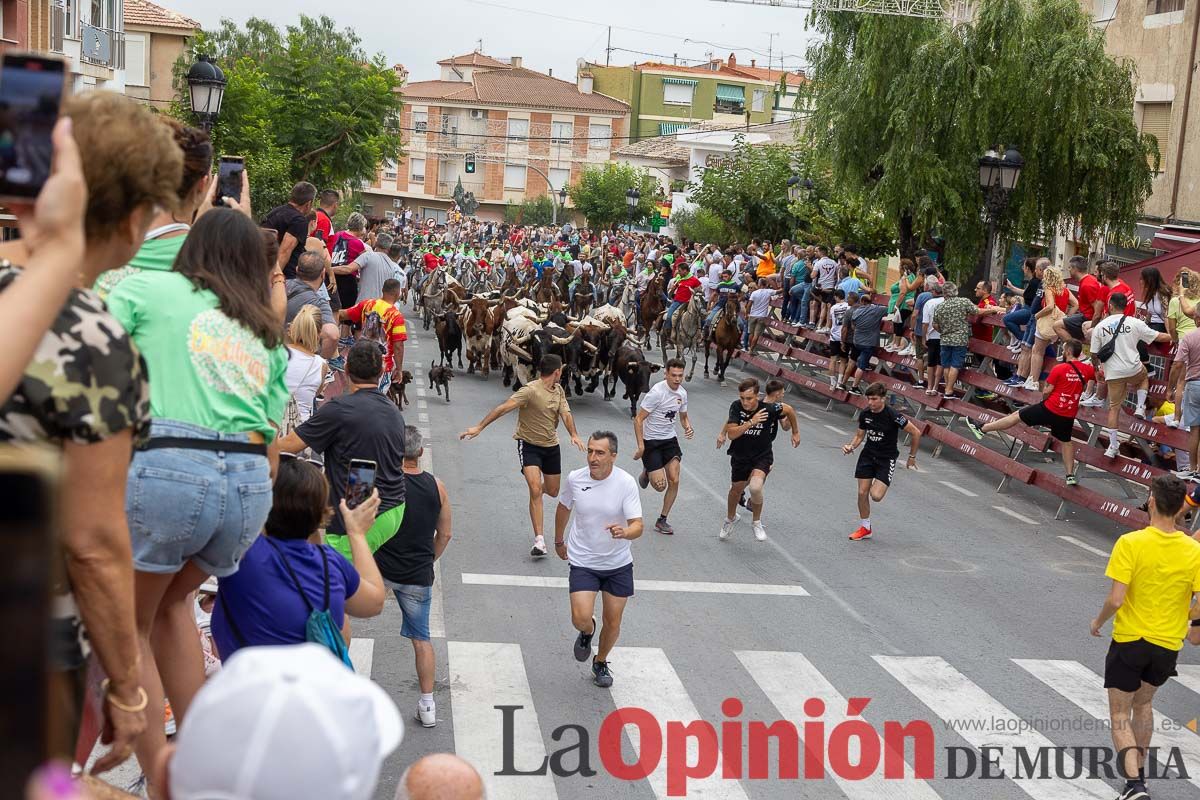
(1172, 239)
(1169, 264)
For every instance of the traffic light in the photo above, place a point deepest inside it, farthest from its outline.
(470, 164)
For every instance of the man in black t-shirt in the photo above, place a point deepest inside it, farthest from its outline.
(290, 223)
(750, 429)
(879, 425)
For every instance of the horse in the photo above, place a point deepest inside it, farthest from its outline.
(726, 335)
(584, 293)
(432, 303)
(687, 331)
(546, 289)
(626, 302)
(652, 307)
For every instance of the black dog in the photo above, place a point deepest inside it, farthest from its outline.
(439, 378)
(396, 391)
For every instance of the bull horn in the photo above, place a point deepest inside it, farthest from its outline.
(520, 351)
(562, 340)
(590, 346)
(494, 302)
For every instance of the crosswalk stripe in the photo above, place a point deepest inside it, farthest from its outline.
(362, 654)
(1189, 676)
(647, 680)
(646, 585)
(484, 675)
(789, 680)
(1085, 688)
(983, 721)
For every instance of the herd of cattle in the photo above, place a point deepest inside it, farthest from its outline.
(512, 333)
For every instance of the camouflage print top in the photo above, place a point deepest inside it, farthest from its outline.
(86, 381)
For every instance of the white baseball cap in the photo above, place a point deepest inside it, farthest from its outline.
(280, 723)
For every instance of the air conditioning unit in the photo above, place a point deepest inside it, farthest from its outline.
(397, 202)
(478, 113)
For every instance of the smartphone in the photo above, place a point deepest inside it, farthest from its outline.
(360, 482)
(31, 91)
(229, 179)
(40, 717)
(1183, 280)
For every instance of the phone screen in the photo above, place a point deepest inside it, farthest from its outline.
(31, 90)
(359, 482)
(229, 179)
(1183, 280)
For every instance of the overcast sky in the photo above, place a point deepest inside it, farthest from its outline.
(547, 34)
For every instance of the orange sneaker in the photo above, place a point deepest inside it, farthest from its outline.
(860, 534)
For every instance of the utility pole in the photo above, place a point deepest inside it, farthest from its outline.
(608, 47)
(770, 52)
(479, 49)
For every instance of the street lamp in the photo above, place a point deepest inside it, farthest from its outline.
(998, 176)
(796, 185)
(562, 201)
(207, 85)
(632, 197)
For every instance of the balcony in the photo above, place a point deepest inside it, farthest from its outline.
(446, 188)
(102, 46)
(58, 27)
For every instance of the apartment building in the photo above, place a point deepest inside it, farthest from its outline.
(155, 38)
(529, 134)
(791, 101)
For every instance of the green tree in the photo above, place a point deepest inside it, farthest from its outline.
(536, 211)
(700, 225)
(905, 107)
(600, 194)
(305, 103)
(747, 190)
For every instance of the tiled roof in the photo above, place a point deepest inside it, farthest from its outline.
(764, 74)
(473, 60)
(515, 87)
(723, 71)
(141, 12)
(658, 148)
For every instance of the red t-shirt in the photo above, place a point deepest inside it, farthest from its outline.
(1068, 387)
(1062, 300)
(1122, 286)
(324, 227)
(1091, 290)
(344, 248)
(981, 330)
(431, 262)
(382, 322)
(684, 289)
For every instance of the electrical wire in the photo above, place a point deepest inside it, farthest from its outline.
(566, 139)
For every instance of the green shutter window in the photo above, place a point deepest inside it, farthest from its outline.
(731, 94)
(679, 81)
(668, 128)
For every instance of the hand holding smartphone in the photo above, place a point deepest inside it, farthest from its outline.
(229, 180)
(360, 482)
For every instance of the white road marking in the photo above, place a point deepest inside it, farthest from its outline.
(780, 676)
(420, 392)
(810, 577)
(983, 721)
(1015, 515)
(1086, 689)
(1084, 545)
(1189, 676)
(484, 675)
(838, 431)
(362, 653)
(806, 415)
(422, 404)
(425, 432)
(422, 417)
(647, 680)
(958, 488)
(642, 584)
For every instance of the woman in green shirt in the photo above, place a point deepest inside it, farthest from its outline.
(199, 487)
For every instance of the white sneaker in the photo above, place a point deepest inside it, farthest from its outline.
(1031, 385)
(1092, 402)
(1140, 412)
(1183, 474)
(427, 716)
(908, 351)
(891, 348)
(1086, 398)
(727, 529)
(539, 547)
(760, 533)
(1171, 422)
(1114, 449)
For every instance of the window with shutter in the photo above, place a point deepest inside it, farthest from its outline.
(561, 132)
(514, 176)
(1163, 6)
(1156, 122)
(679, 93)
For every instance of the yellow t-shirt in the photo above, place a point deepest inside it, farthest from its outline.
(539, 411)
(1162, 571)
(1183, 323)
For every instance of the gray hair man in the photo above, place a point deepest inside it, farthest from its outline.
(305, 289)
(441, 776)
(952, 321)
(375, 267)
(406, 562)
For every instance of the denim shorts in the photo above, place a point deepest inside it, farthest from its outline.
(414, 607)
(953, 356)
(195, 505)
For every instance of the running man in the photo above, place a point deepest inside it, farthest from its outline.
(880, 425)
(542, 404)
(750, 428)
(657, 445)
(607, 517)
(1155, 576)
(1063, 390)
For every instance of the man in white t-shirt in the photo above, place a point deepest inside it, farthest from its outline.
(933, 341)
(607, 517)
(1124, 367)
(825, 273)
(839, 350)
(760, 310)
(657, 445)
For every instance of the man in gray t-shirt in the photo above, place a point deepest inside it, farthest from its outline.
(305, 290)
(374, 267)
(866, 322)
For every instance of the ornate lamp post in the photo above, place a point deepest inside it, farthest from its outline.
(562, 202)
(207, 85)
(998, 176)
(632, 198)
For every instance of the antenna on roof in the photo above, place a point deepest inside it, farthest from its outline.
(479, 48)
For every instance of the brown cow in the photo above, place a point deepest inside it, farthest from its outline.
(478, 326)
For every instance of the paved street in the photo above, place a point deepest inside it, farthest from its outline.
(967, 605)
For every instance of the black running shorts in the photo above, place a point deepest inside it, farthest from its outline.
(1038, 415)
(657, 453)
(740, 468)
(617, 582)
(1129, 664)
(877, 468)
(547, 459)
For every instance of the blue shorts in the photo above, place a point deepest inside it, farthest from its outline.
(863, 356)
(195, 505)
(414, 607)
(954, 356)
(617, 582)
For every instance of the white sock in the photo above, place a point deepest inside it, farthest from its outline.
(427, 700)
(1112, 436)
(1141, 397)
(866, 523)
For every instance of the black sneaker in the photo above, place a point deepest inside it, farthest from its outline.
(662, 526)
(600, 674)
(855, 389)
(1072, 480)
(583, 643)
(744, 502)
(1135, 792)
(644, 479)
(975, 429)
